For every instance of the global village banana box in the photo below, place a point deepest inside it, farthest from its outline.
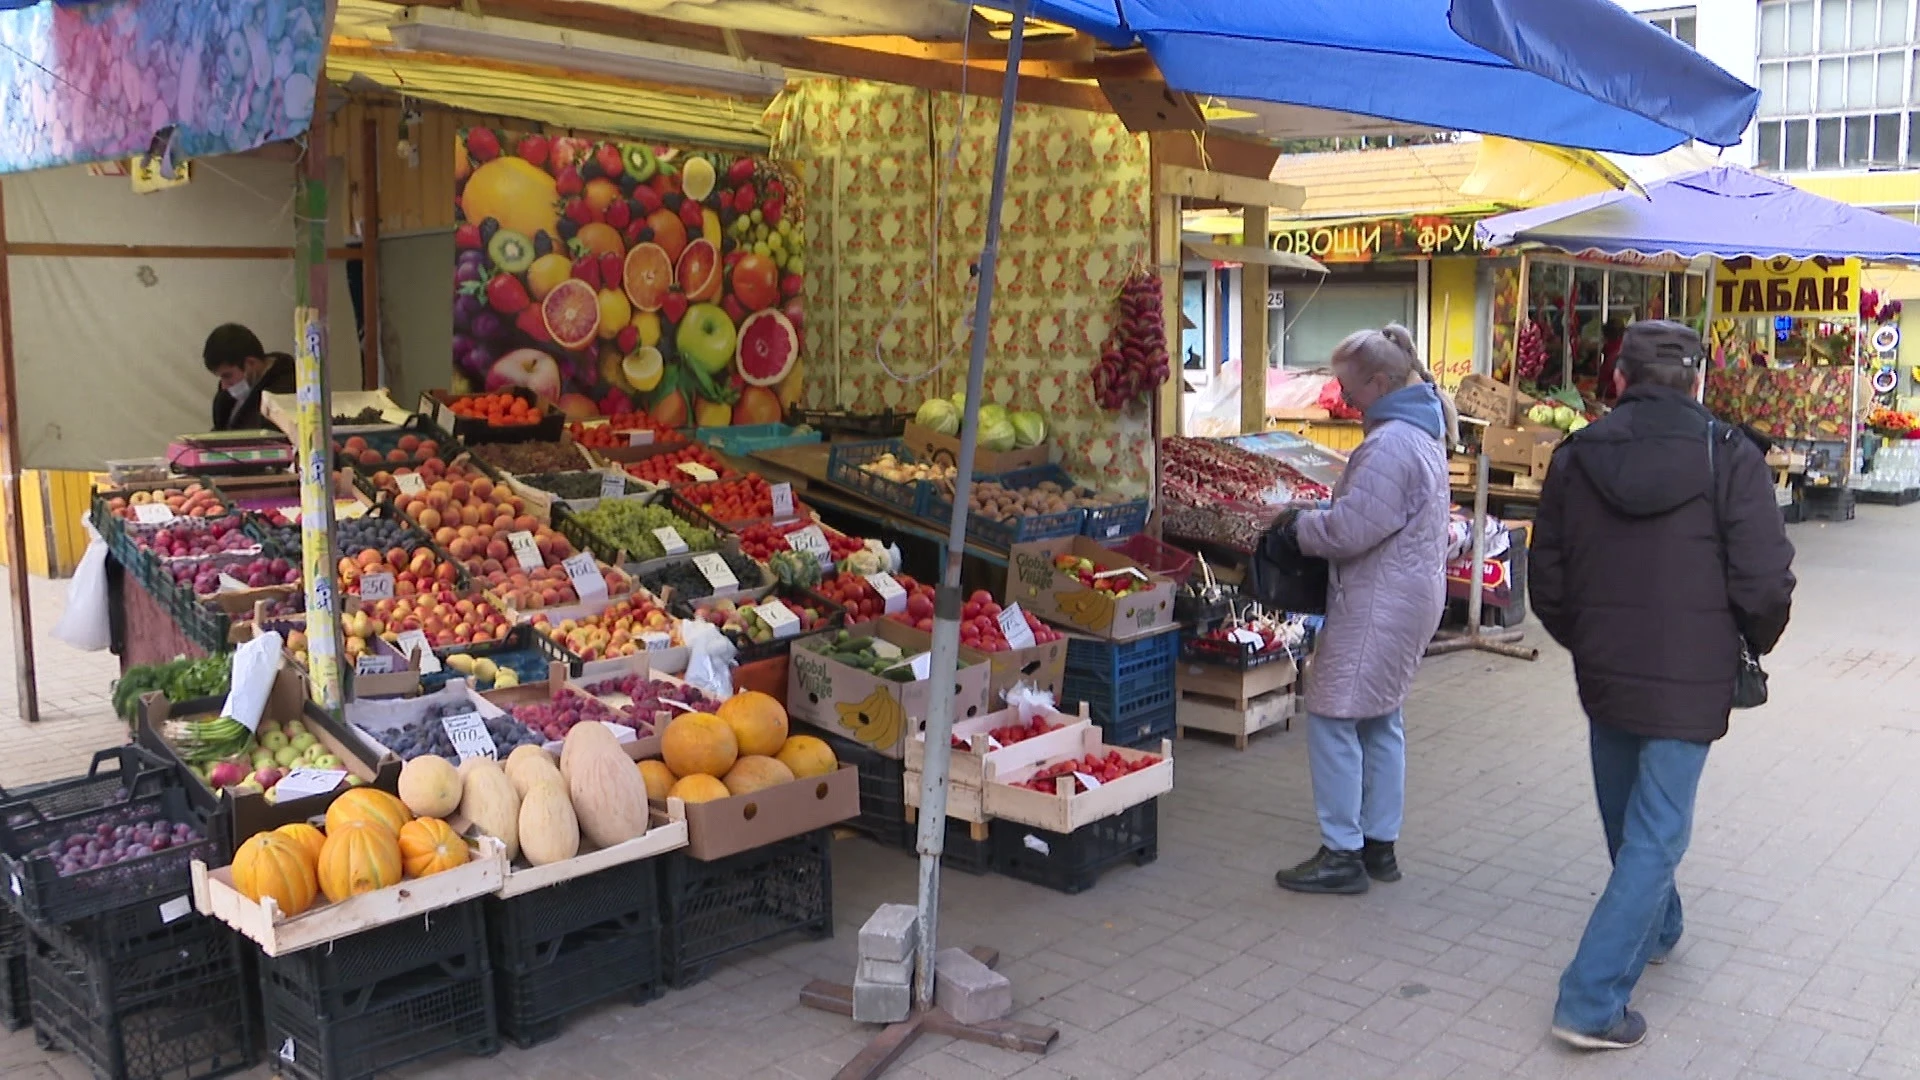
(871, 684)
(1072, 581)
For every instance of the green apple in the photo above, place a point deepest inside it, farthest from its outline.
(295, 727)
(274, 741)
(706, 337)
(354, 781)
(326, 761)
(302, 741)
(285, 757)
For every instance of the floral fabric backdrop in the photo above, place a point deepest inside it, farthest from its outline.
(1794, 403)
(872, 159)
(96, 82)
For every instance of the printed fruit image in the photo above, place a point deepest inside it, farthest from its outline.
(530, 368)
(546, 272)
(697, 179)
(615, 313)
(768, 348)
(571, 313)
(643, 368)
(756, 281)
(712, 414)
(699, 271)
(510, 251)
(671, 411)
(706, 337)
(669, 232)
(757, 405)
(647, 276)
(516, 194)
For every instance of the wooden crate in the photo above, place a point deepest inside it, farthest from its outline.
(1062, 811)
(1269, 710)
(1226, 686)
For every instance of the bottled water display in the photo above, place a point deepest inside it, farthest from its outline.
(1895, 468)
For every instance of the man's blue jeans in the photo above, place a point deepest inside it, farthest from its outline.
(1646, 789)
(1359, 778)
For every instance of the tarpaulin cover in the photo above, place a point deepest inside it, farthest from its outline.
(1725, 211)
(1581, 73)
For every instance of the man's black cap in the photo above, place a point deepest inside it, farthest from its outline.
(1661, 341)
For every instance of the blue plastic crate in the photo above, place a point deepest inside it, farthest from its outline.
(1108, 523)
(844, 461)
(1003, 534)
(1120, 715)
(1113, 661)
(743, 439)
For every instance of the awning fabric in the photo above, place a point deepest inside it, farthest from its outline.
(1580, 73)
(1725, 211)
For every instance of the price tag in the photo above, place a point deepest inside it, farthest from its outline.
(922, 665)
(782, 496)
(586, 576)
(1134, 570)
(671, 542)
(414, 643)
(1086, 781)
(152, 513)
(468, 733)
(373, 664)
(347, 509)
(893, 598)
(698, 471)
(656, 640)
(993, 743)
(410, 483)
(444, 415)
(180, 906)
(1013, 627)
(291, 514)
(1247, 637)
(811, 540)
(376, 586)
(612, 485)
(716, 571)
(525, 550)
(300, 783)
(779, 618)
(885, 649)
(643, 437)
(229, 583)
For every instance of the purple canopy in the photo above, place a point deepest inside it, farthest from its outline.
(1725, 211)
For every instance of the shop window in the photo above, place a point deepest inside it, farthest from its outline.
(1769, 153)
(1838, 67)
(1679, 22)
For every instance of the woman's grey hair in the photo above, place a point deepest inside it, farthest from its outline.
(1390, 351)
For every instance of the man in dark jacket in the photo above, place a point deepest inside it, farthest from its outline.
(1658, 552)
(247, 372)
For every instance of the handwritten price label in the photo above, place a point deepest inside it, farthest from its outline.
(716, 571)
(782, 497)
(612, 485)
(525, 550)
(779, 618)
(469, 736)
(893, 598)
(811, 541)
(640, 438)
(698, 471)
(414, 643)
(671, 542)
(373, 664)
(410, 483)
(1013, 627)
(300, 783)
(152, 513)
(376, 586)
(586, 577)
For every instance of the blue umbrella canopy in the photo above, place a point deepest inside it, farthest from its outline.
(1582, 73)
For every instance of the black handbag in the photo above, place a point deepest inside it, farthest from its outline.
(1750, 679)
(1283, 578)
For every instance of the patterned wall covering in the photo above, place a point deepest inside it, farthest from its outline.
(871, 159)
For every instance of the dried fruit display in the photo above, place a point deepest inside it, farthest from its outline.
(530, 457)
(1134, 363)
(1203, 472)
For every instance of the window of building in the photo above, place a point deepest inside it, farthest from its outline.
(1676, 21)
(1839, 85)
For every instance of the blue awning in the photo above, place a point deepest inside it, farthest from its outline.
(1581, 73)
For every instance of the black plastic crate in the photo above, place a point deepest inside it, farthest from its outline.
(1072, 862)
(882, 425)
(709, 910)
(1826, 504)
(883, 797)
(13, 971)
(1117, 522)
(845, 463)
(340, 977)
(573, 945)
(178, 1007)
(413, 1017)
(961, 851)
(1143, 732)
(45, 896)
(1237, 655)
(115, 777)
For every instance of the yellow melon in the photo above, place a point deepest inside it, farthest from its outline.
(698, 787)
(659, 778)
(756, 772)
(699, 743)
(807, 756)
(758, 721)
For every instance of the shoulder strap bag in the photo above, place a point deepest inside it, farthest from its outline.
(1750, 680)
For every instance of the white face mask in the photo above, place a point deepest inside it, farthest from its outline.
(239, 390)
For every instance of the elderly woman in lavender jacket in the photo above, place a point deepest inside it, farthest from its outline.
(1385, 540)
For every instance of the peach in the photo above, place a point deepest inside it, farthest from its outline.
(430, 520)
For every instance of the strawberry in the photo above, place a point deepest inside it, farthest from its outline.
(772, 210)
(692, 217)
(608, 156)
(483, 144)
(506, 295)
(619, 213)
(579, 212)
(674, 307)
(628, 340)
(612, 270)
(587, 269)
(740, 171)
(636, 232)
(568, 183)
(531, 323)
(645, 201)
(533, 149)
(744, 198)
(466, 237)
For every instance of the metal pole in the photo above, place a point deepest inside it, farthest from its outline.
(947, 600)
(1477, 574)
(26, 682)
(314, 441)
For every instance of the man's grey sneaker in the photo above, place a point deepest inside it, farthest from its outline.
(1625, 1032)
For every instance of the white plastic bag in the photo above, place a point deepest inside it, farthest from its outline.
(709, 659)
(1030, 700)
(255, 666)
(85, 623)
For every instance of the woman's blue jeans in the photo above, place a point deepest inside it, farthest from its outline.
(1646, 789)
(1359, 778)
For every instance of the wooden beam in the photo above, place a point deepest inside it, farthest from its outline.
(1078, 49)
(350, 49)
(165, 251)
(370, 254)
(1253, 325)
(1234, 190)
(20, 608)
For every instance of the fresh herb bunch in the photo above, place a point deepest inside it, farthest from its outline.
(180, 679)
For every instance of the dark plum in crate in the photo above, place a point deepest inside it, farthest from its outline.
(428, 735)
(67, 868)
(205, 578)
(687, 582)
(378, 533)
(219, 535)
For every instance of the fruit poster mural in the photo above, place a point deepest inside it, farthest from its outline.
(1787, 403)
(613, 277)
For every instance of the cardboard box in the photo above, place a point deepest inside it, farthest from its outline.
(1043, 665)
(1513, 447)
(875, 711)
(730, 826)
(1060, 597)
(248, 814)
(1484, 398)
(932, 446)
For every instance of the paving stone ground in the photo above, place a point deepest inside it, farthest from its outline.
(1800, 958)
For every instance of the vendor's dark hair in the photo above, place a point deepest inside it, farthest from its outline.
(231, 345)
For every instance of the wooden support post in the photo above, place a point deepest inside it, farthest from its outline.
(20, 603)
(370, 375)
(1253, 325)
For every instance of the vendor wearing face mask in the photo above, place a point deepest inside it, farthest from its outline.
(246, 371)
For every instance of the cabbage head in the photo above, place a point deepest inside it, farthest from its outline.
(992, 414)
(1029, 429)
(939, 415)
(998, 436)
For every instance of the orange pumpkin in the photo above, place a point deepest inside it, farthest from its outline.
(368, 804)
(358, 857)
(428, 846)
(309, 838)
(272, 865)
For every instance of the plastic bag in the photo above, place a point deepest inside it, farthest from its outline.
(1030, 700)
(85, 623)
(709, 659)
(255, 665)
